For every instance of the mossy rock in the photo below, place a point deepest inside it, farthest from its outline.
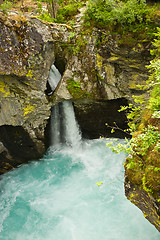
(74, 87)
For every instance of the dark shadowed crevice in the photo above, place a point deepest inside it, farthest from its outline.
(92, 117)
(18, 143)
(60, 64)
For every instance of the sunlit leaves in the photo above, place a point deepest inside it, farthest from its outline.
(99, 183)
(116, 12)
(117, 148)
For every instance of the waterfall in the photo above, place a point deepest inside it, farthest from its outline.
(54, 78)
(72, 131)
(64, 127)
(55, 125)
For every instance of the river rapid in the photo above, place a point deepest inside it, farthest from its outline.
(58, 198)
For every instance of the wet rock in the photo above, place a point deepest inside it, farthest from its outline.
(144, 201)
(93, 116)
(26, 54)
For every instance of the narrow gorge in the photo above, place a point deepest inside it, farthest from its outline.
(48, 71)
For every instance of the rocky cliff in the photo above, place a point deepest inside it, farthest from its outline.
(99, 78)
(27, 51)
(142, 178)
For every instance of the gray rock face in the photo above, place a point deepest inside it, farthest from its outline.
(109, 71)
(144, 201)
(26, 54)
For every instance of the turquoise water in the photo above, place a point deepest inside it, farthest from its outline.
(57, 198)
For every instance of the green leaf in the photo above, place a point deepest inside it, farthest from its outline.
(99, 183)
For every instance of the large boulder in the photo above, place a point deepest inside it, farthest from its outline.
(27, 52)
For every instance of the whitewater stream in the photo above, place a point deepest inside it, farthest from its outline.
(76, 192)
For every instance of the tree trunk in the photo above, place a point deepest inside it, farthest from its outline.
(54, 6)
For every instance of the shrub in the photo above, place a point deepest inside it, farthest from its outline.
(116, 12)
(46, 17)
(65, 13)
(154, 79)
(5, 6)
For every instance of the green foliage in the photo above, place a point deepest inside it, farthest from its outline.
(113, 12)
(130, 12)
(133, 115)
(131, 16)
(46, 17)
(65, 13)
(74, 87)
(5, 6)
(78, 42)
(99, 183)
(140, 144)
(117, 148)
(146, 140)
(155, 77)
(60, 11)
(71, 35)
(156, 169)
(155, 101)
(39, 8)
(144, 182)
